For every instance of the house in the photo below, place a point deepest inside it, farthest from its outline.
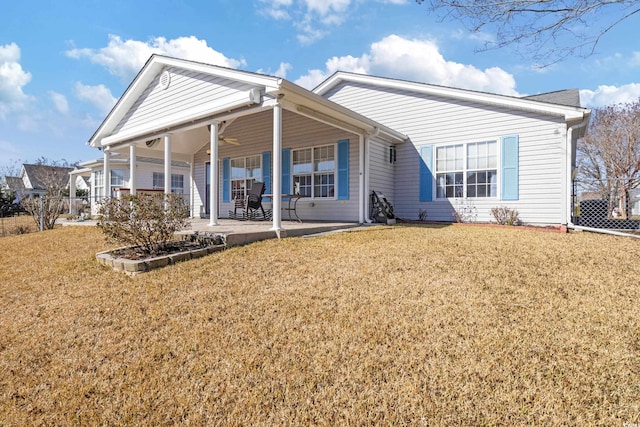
(425, 147)
(149, 177)
(35, 180)
(470, 151)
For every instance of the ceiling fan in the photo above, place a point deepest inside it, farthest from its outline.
(226, 139)
(229, 140)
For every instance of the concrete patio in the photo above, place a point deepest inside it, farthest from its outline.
(243, 232)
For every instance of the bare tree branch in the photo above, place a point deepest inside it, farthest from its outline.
(547, 31)
(609, 155)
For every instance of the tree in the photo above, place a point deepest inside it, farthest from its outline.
(608, 156)
(547, 30)
(52, 178)
(147, 221)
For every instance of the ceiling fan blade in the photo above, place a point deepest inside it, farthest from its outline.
(230, 140)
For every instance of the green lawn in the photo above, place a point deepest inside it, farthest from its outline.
(385, 326)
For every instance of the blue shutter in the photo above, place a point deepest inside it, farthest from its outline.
(510, 167)
(426, 174)
(343, 169)
(226, 180)
(286, 170)
(266, 171)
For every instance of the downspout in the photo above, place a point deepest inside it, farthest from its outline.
(361, 190)
(569, 168)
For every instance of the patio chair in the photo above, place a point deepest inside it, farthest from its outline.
(254, 201)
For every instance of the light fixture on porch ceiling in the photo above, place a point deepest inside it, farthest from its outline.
(152, 142)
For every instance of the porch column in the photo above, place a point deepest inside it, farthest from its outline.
(213, 178)
(363, 194)
(276, 170)
(72, 194)
(167, 164)
(132, 169)
(106, 174)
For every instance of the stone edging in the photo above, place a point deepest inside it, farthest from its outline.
(132, 267)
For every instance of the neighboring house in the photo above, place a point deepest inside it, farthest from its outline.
(425, 147)
(149, 177)
(14, 184)
(34, 180)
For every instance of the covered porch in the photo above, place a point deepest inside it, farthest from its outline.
(228, 129)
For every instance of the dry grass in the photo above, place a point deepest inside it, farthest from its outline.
(19, 224)
(387, 326)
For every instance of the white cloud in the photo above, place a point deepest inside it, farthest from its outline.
(608, 95)
(12, 80)
(282, 70)
(99, 96)
(124, 58)
(415, 60)
(59, 102)
(313, 19)
(8, 151)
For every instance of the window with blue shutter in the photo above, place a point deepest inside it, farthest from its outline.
(343, 170)
(510, 177)
(426, 174)
(266, 171)
(226, 180)
(286, 170)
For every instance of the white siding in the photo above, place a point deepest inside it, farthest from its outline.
(254, 134)
(188, 90)
(430, 120)
(381, 170)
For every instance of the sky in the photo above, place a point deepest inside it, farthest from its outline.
(65, 63)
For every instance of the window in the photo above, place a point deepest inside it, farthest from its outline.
(314, 170)
(467, 170)
(117, 179)
(99, 183)
(177, 182)
(244, 172)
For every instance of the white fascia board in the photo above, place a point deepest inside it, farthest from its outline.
(569, 113)
(268, 82)
(152, 68)
(80, 172)
(311, 101)
(228, 103)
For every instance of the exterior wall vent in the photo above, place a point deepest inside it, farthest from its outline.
(165, 79)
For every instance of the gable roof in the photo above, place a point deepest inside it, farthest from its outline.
(569, 97)
(570, 113)
(14, 183)
(263, 86)
(41, 176)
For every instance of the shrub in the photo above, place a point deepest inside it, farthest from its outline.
(422, 214)
(147, 221)
(505, 215)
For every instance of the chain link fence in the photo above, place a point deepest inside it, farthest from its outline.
(612, 204)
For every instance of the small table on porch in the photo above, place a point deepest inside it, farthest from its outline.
(292, 204)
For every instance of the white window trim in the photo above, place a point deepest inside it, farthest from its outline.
(313, 173)
(256, 178)
(161, 187)
(464, 145)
